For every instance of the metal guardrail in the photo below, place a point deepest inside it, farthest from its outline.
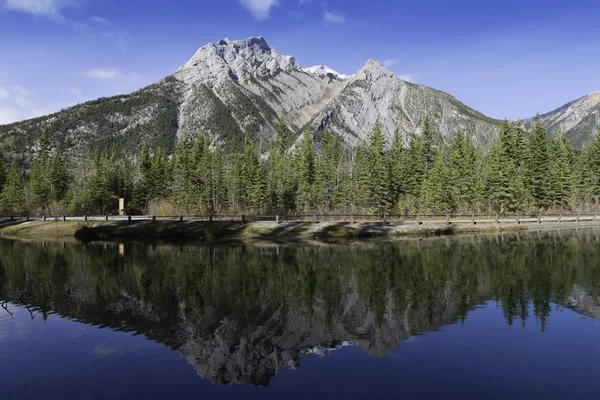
(346, 218)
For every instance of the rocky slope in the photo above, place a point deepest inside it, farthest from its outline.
(230, 87)
(579, 119)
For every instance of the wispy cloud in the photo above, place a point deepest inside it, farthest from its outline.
(40, 8)
(260, 9)
(103, 74)
(389, 63)
(408, 77)
(332, 17)
(23, 104)
(8, 114)
(4, 93)
(76, 92)
(99, 27)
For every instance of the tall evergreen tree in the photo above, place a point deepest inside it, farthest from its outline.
(537, 183)
(503, 182)
(307, 169)
(436, 193)
(361, 179)
(561, 172)
(13, 200)
(427, 142)
(462, 171)
(39, 179)
(59, 178)
(378, 172)
(396, 170)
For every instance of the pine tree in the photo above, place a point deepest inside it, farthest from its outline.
(562, 158)
(415, 169)
(12, 199)
(594, 167)
(536, 171)
(436, 193)
(105, 184)
(503, 182)
(331, 166)
(518, 145)
(276, 169)
(361, 179)
(462, 171)
(39, 179)
(396, 170)
(58, 177)
(427, 142)
(378, 172)
(253, 181)
(183, 170)
(307, 170)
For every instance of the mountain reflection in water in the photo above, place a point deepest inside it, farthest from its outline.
(241, 313)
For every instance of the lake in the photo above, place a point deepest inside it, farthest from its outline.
(505, 316)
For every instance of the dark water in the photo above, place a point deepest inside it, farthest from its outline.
(512, 316)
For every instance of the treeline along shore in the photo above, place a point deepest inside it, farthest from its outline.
(523, 173)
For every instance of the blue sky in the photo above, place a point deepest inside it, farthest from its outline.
(506, 58)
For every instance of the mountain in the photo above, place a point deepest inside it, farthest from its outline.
(233, 86)
(579, 119)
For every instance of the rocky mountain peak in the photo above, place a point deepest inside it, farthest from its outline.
(374, 70)
(234, 59)
(256, 44)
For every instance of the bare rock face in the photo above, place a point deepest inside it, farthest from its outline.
(579, 119)
(247, 83)
(268, 84)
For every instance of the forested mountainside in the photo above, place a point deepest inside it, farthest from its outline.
(123, 122)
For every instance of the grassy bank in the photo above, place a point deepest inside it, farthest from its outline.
(227, 230)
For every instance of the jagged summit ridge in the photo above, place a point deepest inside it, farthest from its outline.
(236, 59)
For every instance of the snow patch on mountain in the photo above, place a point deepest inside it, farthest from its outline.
(323, 71)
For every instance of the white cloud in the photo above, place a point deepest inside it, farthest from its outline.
(104, 74)
(40, 8)
(102, 28)
(8, 114)
(260, 9)
(333, 17)
(22, 96)
(76, 92)
(389, 63)
(4, 93)
(408, 77)
(23, 104)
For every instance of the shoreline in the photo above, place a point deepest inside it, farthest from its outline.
(270, 231)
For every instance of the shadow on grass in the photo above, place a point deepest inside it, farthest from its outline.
(176, 230)
(10, 222)
(235, 231)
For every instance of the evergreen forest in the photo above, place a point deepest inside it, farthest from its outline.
(524, 172)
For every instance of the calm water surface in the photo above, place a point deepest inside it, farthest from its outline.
(512, 316)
